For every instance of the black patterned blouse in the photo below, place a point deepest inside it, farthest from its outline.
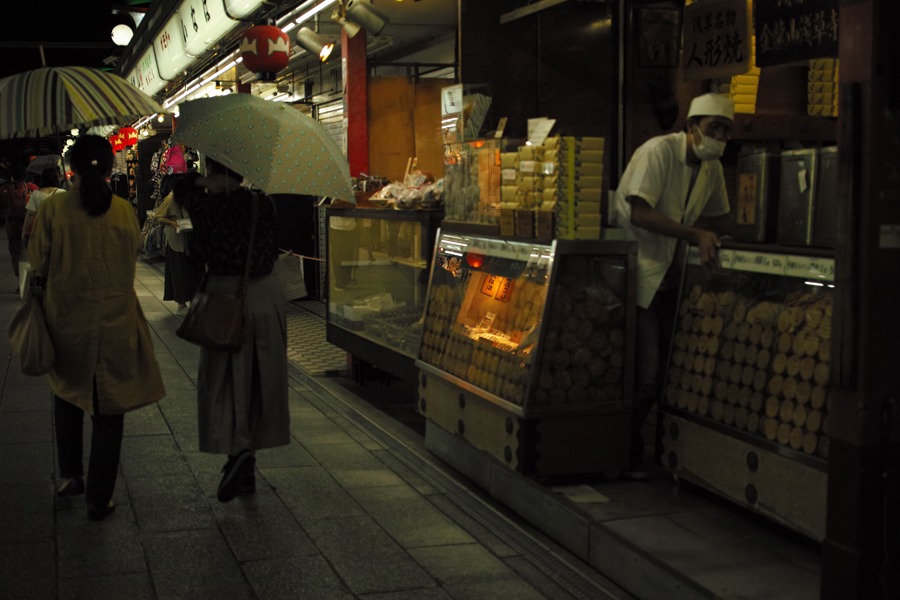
(222, 228)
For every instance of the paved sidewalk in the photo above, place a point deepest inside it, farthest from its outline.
(341, 513)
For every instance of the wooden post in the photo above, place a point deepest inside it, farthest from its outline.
(864, 463)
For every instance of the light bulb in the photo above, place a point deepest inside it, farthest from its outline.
(160, 118)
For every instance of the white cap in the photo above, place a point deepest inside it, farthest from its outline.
(711, 105)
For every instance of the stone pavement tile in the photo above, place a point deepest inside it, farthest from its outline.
(26, 398)
(25, 427)
(319, 404)
(360, 436)
(169, 503)
(310, 493)
(28, 571)
(92, 549)
(15, 378)
(120, 495)
(26, 513)
(134, 586)
(353, 466)
(298, 578)
(366, 557)
(259, 526)
(318, 430)
(472, 573)
(207, 470)
(537, 579)
(485, 537)
(152, 456)
(425, 594)
(26, 463)
(292, 455)
(146, 421)
(179, 402)
(195, 565)
(406, 474)
(409, 518)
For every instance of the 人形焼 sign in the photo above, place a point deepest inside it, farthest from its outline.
(718, 39)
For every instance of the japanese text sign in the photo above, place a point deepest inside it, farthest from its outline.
(794, 30)
(717, 39)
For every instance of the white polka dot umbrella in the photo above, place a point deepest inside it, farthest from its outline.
(276, 147)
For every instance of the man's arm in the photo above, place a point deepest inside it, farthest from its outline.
(722, 225)
(645, 217)
(29, 219)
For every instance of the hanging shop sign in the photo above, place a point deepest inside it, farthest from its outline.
(145, 75)
(717, 39)
(789, 31)
(171, 57)
(204, 22)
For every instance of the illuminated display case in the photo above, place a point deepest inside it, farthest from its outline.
(541, 335)
(377, 280)
(745, 405)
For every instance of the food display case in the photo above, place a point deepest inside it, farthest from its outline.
(527, 350)
(377, 280)
(744, 412)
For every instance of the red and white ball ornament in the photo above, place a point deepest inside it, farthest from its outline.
(265, 50)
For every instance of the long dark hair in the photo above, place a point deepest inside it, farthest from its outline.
(91, 157)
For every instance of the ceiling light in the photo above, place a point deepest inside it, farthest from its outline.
(122, 34)
(161, 118)
(313, 11)
(314, 43)
(288, 27)
(178, 98)
(351, 28)
(364, 14)
(219, 72)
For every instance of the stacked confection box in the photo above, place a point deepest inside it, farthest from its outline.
(741, 88)
(822, 100)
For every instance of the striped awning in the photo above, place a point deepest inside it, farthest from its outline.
(50, 100)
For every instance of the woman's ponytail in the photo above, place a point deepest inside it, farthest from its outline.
(92, 158)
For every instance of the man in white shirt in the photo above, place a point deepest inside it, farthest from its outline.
(671, 182)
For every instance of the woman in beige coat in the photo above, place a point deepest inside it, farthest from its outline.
(86, 243)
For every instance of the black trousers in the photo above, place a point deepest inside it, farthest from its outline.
(106, 445)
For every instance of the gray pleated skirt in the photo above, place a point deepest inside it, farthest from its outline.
(243, 395)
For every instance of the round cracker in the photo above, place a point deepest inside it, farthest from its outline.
(688, 362)
(734, 392)
(770, 428)
(825, 350)
(748, 375)
(785, 342)
(695, 294)
(706, 385)
(756, 402)
(703, 344)
(784, 434)
(776, 384)
(762, 359)
(804, 391)
(717, 325)
(740, 418)
(750, 356)
(797, 438)
(814, 316)
(786, 411)
(753, 422)
(779, 364)
(710, 367)
(813, 420)
(821, 373)
(755, 334)
(744, 397)
(773, 406)
(807, 366)
(706, 324)
(740, 353)
(693, 341)
(767, 338)
(817, 397)
(793, 365)
(728, 350)
(713, 347)
(810, 440)
(784, 321)
(743, 332)
(812, 344)
(730, 331)
(759, 380)
(740, 313)
(736, 373)
(722, 390)
(799, 344)
(789, 390)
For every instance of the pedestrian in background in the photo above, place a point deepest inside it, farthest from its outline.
(13, 199)
(184, 272)
(242, 395)
(49, 185)
(86, 242)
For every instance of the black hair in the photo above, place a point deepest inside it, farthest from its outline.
(49, 177)
(168, 184)
(18, 172)
(216, 168)
(92, 158)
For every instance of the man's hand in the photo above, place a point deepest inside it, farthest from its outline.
(707, 242)
(218, 184)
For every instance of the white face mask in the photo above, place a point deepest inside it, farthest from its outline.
(708, 148)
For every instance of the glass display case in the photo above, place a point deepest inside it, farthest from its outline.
(472, 181)
(377, 280)
(744, 411)
(537, 329)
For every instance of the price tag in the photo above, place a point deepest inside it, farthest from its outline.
(693, 255)
(726, 258)
(539, 129)
(508, 174)
(526, 166)
(501, 127)
(797, 266)
(452, 99)
(822, 268)
(801, 180)
(548, 168)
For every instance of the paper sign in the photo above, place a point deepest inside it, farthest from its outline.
(539, 129)
(508, 174)
(548, 168)
(717, 39)
(801, 179)
(789, 31)
(822, 268)
(452, 100)
(797, 266)
(490, 285)
(746, 208)
(889, 237)
(501, 127)
(726, 258)
(526, 166)
(505, 290)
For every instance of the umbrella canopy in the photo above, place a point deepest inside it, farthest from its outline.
(277, 148)
(42, 162)
(56, 100)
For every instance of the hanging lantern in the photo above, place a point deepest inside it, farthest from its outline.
(474, 259)
(117, 143)
(265, 50)
(129, 135)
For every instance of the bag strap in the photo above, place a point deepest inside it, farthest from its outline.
(253, 222)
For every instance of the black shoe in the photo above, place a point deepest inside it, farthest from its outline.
(72, 487)
(234, 471)
(98, 513)
(248, 484)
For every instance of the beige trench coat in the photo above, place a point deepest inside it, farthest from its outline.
(96, 323)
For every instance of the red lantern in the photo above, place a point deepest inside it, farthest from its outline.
(265, 50)
(474, 260)
(129, 135)
(117, 143)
